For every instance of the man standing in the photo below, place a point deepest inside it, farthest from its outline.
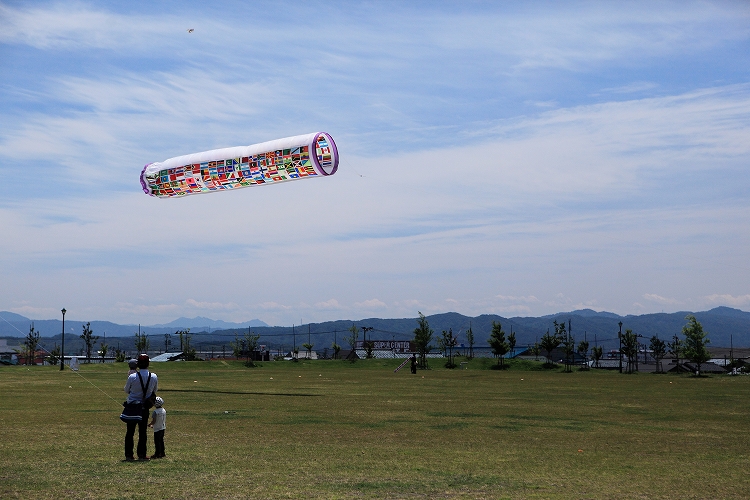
(140, 385)
(414, 363)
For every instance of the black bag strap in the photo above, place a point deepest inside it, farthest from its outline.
(148, 381)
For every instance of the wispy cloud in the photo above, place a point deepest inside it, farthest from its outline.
(510, 298)
(211, 306)
(652, 297)
(728, 299)
(328, 305)
(371, 304)
(632, 88)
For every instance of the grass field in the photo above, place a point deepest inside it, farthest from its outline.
(332, 429)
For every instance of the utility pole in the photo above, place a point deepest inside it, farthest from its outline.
(619, 336)
(572, 347)
(365, 329)
(62, 349)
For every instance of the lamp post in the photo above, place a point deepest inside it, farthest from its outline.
(62, 348)
(619, 336)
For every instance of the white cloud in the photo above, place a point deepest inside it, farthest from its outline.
(331, 304)
(515, 309)
(147, 310)
(520, 298)
(729, 300)
(75, 26)
(632, 88)
(371, 304)
(652, 297)
(213, 306)
(274, 306)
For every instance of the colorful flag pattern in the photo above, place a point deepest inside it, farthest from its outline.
(173, 178)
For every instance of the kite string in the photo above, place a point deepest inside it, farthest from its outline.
(90, 382)
(11, 324)
(19, 331)
(74, 371)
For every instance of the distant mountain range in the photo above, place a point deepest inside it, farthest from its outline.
(724, 325)
(15, 325)
(208, 323)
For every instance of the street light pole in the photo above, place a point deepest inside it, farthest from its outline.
(62, 348)
(619, 336)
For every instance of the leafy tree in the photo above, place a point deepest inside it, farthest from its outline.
(367, 342)
(675, 348)
(188, 352)
(308, 347)
(336, 349)
(89, 339)
(695, 342)
(536, 350)
(103, 348)
(512, 342)
(251, 341)
(351, 339)
(630, 348)
(659, 349)
(583, 350)
(141, 342)
(470, 341)
(369, 345)
(30, 345)
(498, 343)
(560, 331)
(54, 355)
(597, 352)
(566, 341)
(237, 346)
(422, 338)
(549, 343)
(569, 350)
(119, 356)
(448, 341)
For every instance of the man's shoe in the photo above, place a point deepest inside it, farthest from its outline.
(143, 459)
(131, 458)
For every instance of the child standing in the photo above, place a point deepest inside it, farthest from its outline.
(159, 424)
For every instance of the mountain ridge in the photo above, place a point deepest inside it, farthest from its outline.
(725, 326)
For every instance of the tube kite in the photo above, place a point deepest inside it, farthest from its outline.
(272, 162)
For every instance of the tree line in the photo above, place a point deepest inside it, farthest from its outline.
(693, 347)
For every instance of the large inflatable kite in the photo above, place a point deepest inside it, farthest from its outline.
(299, 157)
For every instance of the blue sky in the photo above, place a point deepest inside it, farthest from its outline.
(509, 158)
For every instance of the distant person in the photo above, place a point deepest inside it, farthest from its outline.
(159, 424)
(414, 364)
(140, 386)
(133, 364)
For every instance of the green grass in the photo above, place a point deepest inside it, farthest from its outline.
(333, 429)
